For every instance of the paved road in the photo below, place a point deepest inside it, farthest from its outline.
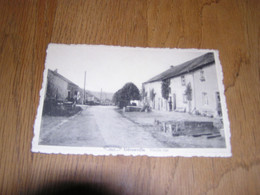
(97, 126)
(78, 130)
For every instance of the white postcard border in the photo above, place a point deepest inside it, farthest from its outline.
(153, 152)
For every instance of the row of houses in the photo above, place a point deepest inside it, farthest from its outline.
(192, 87)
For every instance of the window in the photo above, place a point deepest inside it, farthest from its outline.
(202, 76)
(205, 100)
(183, 82)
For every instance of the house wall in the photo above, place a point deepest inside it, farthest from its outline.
(204, 98)
(209, 87)
(178, 89)
(56, 87)
(74, 90)
(159, 102)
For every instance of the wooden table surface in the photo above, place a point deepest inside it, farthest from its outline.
(26, 27)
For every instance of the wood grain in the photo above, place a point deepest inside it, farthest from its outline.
(26, 27)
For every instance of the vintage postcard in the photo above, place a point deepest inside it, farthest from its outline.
(111, 100)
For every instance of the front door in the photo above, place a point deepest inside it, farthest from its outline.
(174, 101)
(170, 103)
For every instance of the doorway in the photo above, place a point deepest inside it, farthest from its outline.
(174, 101)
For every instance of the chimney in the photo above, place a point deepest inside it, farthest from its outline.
(56, 70)
(172, 66)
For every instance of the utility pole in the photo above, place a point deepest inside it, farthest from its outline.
(84, 88)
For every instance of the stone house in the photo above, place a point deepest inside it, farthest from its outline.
(60, 88)
(192, 88)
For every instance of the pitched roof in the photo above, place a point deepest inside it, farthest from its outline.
(62, 77)
(186, 67)
(71, 83)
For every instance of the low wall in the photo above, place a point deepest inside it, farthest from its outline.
(176, 128)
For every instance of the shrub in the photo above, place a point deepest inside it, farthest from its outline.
(166, 90)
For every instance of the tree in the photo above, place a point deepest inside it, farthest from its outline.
(166, 88)
(143, 93)
(116, 97)
(188, 93)
(123, 96)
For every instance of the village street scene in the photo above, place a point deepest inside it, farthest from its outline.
(179, 107)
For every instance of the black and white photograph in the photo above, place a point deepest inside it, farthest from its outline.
(112, 100)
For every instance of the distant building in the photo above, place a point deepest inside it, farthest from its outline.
(91, 99)
(107, 102)
(192, 87)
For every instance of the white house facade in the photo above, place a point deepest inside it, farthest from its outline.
(200, 75)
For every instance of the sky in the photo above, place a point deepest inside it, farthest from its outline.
(110, 67)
